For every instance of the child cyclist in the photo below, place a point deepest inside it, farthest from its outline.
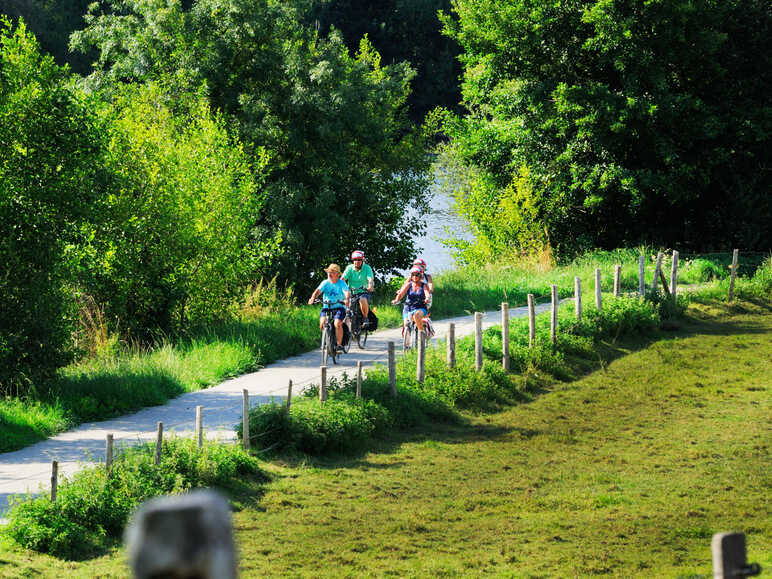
(360, 278)
(416, 294)
(336, 297)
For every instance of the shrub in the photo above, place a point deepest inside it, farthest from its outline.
(92, 509)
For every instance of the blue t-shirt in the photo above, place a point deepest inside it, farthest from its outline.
(333, 292)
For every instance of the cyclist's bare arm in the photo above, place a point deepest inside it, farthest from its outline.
(313, 297)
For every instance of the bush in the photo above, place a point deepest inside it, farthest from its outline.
(92, 509)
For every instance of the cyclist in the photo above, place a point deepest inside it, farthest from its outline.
(416, 294)
(418, 262)
(360, 278)
(336, 299)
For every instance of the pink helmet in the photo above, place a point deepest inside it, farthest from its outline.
(416, 269)
(419, 262)
(357, 255)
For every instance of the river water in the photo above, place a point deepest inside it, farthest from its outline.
(439, 222)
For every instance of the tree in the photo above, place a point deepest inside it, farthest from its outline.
(632, 122)
(49, 167)
(345, 162)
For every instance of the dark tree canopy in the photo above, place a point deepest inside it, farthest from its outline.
(605, 124)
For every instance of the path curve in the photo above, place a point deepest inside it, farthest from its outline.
(29, 469)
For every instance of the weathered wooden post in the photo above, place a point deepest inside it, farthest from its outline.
(674, 275)
(159, 440)
(578, 298)
(478, 341)
(54, 479)
(392, 370)
(617, 276)
(733, 274)
(245, 418)
(199, 426)
(598, 298)
(451, 345)
(642, 275)
(419, 363)
(657, 271)
(505, 336)
(554, 317)
(289, 396)
(323, 384)
(730, 557)
(359, 379)
(186, 535)
(109, 454)
(531, 321)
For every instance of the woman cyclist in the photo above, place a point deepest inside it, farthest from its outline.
(336, 300)
(416, 294)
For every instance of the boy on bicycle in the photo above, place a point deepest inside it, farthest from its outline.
(336, 297)
(361, 280)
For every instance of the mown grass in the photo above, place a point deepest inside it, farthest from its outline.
(627, 472)
(129, 378)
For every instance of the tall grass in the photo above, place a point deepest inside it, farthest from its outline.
(117, 378)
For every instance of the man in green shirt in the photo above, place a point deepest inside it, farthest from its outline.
(361, 280)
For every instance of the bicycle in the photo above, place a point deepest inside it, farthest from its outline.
(410, 333)
(357, 321)
(329, 340)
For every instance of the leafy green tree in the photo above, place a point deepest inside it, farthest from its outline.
(401, 30)
(345, 162)
(49, 159)
(606, 123)
(173, 242)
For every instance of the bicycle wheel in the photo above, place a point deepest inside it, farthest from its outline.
(362, 339)
(406, 333)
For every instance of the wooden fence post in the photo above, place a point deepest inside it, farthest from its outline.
(578, 298)
(323, 384)
(598, 298)
(674, 275)
(642, 275)
(159, 440)
(419, 363)
(392, 370)
(733, 274)
(730, 557)
(109, 454)
(54, 479)
(531, 321)
(478, 341)
(452, 345)
(657, 271)
(359, 379)
(199, 426)
(289, 396)
(554, 316)
(505, 336)
(617, 275)
(245, 418)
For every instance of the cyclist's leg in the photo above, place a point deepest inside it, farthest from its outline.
(418, 318)
(340, 314)
(364, 305)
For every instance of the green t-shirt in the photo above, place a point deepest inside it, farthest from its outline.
(358, 280)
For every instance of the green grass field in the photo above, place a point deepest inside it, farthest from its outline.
(626, 472)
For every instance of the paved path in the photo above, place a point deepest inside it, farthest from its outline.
(29, 469)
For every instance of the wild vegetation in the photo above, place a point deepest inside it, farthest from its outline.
(619, 455)
(607, 124)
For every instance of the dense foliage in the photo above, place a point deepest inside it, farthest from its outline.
(604, 124)
(49, 159)
(92, 509)
(401, 30)
(344, 160)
